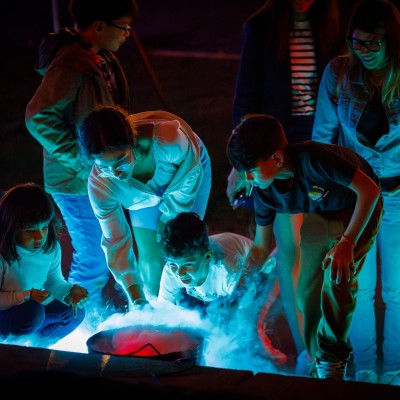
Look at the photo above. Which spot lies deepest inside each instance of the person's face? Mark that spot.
(265, 172)
(33, 237)
(191, 270)
(117, 164)
(301, 7)
(370, 48)
(114, 34)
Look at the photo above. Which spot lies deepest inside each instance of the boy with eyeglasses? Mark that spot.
(79, 71)
(339, 196)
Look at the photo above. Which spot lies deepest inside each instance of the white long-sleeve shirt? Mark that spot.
(225, 268)
(35, 270)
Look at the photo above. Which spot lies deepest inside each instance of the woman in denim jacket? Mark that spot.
(358, 107)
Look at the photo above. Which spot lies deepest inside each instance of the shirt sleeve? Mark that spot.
(264, 215)
(46, 112)
(170, 289)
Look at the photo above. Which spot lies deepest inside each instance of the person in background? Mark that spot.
(35, 299)
(285, 46)
(155, 166)
(79, 71)
(202, 270)
(338, 194)
(358, 107)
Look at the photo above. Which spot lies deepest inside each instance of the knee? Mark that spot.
(29, 319)
(391, 296)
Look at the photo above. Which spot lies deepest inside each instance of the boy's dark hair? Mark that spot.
(255, 138)
(105, 128)
(24, 205)
(85, 12)
(185, 234)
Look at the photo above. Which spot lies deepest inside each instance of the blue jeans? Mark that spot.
(50, 323)
(363, 334)
(88, 268)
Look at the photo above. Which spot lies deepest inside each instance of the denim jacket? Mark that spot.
(339, 108)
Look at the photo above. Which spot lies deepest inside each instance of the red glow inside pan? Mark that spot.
(143, 341)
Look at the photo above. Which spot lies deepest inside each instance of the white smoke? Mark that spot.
(231, 345)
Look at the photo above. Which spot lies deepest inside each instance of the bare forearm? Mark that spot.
(367, 196)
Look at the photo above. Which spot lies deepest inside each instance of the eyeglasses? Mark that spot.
(122, 165)
(125, 28)
(371, 45)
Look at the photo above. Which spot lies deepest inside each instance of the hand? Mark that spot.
(140, 304)
(39, 295)
(236, 182)
(78, 296)
(341, 260)
(160, 230)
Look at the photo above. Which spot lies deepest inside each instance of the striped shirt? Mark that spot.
(303, 69)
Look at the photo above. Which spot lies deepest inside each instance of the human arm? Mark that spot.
(117, 241)
(249, 80)
(341, 257)
(136, 295)
(393, 192)
(55, 284)
(256, 257)
(326, 121)
(10, 299)
(49, 116)
(160, 230)
(236, 182)
(170, 288)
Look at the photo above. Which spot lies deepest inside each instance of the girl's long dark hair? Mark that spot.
(24, 205)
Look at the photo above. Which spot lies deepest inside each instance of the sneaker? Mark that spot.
(391, 378)
(331, 369)
(367, 375)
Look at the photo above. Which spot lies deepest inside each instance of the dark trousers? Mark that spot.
(327, 308)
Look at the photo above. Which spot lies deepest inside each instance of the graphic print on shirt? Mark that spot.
(317, 193)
